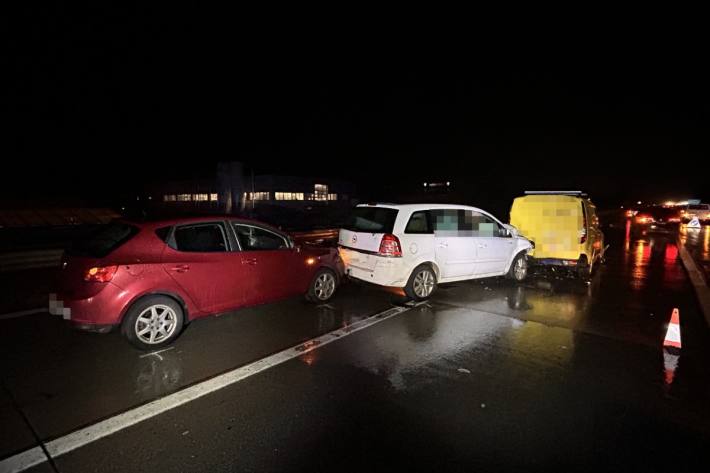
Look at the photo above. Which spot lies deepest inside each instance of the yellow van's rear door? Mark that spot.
(553, 222)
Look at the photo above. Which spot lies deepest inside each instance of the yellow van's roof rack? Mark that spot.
(577, 193)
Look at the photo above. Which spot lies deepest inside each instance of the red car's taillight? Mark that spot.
(389, 246)
(100, 274)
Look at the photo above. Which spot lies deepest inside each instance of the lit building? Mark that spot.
(232, 191)
(296, 192)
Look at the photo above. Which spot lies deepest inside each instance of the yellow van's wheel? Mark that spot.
(519, 268)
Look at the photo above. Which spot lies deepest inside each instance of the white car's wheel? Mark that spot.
(519, 268)
(421, 284)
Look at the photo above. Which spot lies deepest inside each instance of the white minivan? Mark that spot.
(418, 246)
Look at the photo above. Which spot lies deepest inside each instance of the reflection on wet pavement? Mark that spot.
(158, 374)
(431, 342)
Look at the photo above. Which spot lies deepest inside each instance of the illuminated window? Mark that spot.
(258, 195)
(321, 192)
(201, 197)
(288, 195)
(184, 197)
(214, 197)
(332, 196)
(169, 198)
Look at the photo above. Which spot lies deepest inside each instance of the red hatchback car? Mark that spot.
(153, 278)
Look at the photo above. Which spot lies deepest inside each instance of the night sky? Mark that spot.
(104, 101)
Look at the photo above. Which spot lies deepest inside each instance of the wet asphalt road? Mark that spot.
(486, 376)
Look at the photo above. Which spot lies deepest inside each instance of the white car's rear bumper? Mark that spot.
(374, 269)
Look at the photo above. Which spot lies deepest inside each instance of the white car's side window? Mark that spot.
(419, 223)
(465, 223)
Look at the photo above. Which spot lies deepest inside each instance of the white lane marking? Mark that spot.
(22, 313)
(23, 461)
(697, 279)
(156, 353)
(82, 437)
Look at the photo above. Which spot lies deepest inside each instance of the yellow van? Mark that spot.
(563, 226)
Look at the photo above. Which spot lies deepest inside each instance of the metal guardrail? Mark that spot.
(34, 259)
(21, 260)
(316, 236)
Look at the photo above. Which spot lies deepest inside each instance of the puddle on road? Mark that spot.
(159, 375)
(429, 343)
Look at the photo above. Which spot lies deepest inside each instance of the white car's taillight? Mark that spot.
(389, 246)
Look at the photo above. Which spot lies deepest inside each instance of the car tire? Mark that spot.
(323, 286)
(421, 284)
(518, 268)
(153, 322)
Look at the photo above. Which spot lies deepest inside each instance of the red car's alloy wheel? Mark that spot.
(155, 324)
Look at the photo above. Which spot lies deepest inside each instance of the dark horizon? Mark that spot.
(129, 107)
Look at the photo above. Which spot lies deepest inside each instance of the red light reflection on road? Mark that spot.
(627, 236)
(639, 272)
(671, 254)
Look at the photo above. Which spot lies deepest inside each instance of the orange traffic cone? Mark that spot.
(673, 333)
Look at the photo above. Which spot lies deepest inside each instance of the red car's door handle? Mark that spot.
(249, 261)
(180, 268)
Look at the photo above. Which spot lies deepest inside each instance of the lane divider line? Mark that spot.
(22, 313)
(94, 432)
(22, 461)
(697, 279)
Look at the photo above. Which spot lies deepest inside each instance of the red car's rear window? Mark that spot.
(103, 240)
